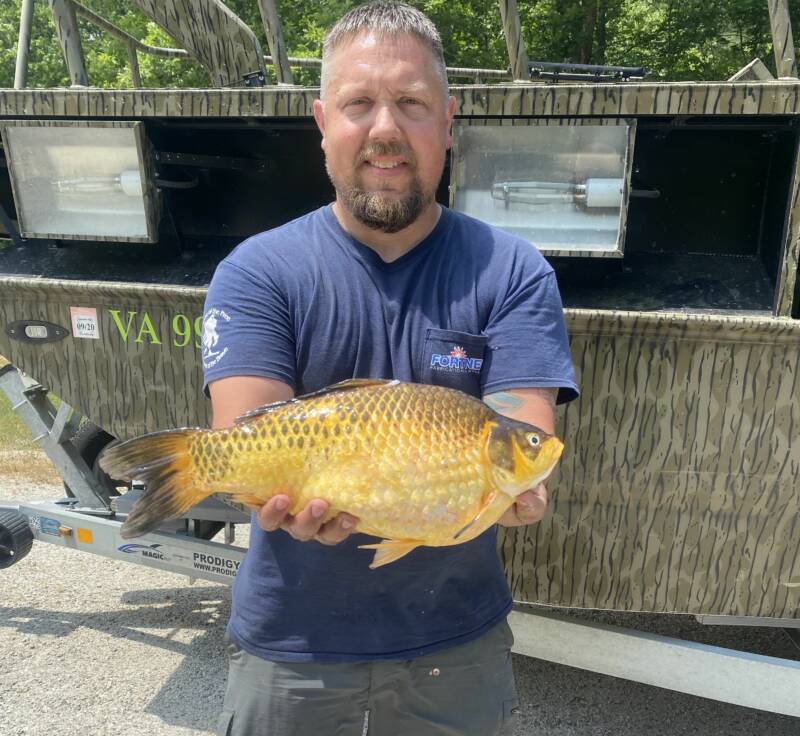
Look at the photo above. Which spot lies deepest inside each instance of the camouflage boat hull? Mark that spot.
(676, 492)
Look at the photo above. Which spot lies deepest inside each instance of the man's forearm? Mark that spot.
(535, 406)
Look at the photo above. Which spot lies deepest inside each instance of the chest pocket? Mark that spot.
(453, 359)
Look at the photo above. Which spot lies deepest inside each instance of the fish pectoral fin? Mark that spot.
(477, 516)
(493, 507)
(390, 550)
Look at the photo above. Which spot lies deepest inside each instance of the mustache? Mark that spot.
(379, 148)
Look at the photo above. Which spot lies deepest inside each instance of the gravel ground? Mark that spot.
(91, 645)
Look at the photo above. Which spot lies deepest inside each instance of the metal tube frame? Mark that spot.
(23, 45)
(53, 430)
(512, 31)
(277, 47)
(782, 43)
(727, 675)
(70, 39)
(780, 26)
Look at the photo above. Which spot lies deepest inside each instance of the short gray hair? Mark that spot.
(385, 18)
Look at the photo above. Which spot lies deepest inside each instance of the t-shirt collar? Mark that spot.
(367, 255)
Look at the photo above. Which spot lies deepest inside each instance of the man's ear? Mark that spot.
(319, 117)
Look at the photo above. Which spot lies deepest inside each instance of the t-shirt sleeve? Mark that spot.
(528, 345)
(247, 327)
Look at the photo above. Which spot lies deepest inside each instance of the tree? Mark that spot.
(674, 39)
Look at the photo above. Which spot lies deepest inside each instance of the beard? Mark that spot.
(387, 212)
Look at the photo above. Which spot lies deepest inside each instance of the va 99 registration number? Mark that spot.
(139, 327)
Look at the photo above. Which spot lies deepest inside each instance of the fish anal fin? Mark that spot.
(348, 385)
(390, 550)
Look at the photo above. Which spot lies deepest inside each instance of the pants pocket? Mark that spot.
(510, 717)
(225, 723)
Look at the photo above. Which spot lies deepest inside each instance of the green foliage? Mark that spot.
(673, 39)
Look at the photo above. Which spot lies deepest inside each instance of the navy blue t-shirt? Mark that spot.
(470, 307)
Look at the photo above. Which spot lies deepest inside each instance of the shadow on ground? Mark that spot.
(155, 618)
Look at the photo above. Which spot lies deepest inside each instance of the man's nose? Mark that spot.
(385, 125)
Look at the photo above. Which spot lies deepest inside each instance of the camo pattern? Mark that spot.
(277, 47)
(509, 15)
(70, 39)
(215, 36)
(790, 262)
(676, 489)
(785, 57)
(521, 100)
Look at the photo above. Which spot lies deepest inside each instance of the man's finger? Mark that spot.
(528, 508)
(531, 505)
(273, 513)
(337, 529)
(307, 523)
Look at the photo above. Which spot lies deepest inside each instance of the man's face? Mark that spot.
(385, 128)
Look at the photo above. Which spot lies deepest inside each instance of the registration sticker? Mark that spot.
(84, 322)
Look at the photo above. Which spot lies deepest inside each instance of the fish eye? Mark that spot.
(533, 439)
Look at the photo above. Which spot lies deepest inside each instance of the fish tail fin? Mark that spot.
(163, 462)
(390, 550)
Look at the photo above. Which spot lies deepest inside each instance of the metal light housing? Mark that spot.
(562, 184)
(82, 180)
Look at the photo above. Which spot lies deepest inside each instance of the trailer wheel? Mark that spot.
(16, 538)
(90, 441)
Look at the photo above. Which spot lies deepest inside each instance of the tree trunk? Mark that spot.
(600, 49)
(587, 36)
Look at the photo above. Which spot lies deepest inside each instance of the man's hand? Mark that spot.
(529, 508)
(535, 406)
(231, 397)
(308, 524)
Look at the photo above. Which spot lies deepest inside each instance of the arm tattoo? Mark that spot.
(503, 401)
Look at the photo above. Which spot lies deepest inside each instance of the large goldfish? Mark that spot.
(417, 464)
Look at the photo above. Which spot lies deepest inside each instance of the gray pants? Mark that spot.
(467, 690)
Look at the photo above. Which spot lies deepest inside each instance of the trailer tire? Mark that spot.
(16, 538)
(90, 440)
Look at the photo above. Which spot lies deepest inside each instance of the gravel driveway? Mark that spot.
(95, 646)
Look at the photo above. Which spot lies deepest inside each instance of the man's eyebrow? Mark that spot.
(358, 89)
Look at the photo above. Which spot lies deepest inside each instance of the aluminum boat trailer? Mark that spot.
(90, 520)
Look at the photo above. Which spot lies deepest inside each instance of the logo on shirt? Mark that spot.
(210, 339)
(458, 361)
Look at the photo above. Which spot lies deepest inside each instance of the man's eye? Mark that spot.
(411, 101)
(357, 101)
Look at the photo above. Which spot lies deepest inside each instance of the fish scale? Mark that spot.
(417, 464)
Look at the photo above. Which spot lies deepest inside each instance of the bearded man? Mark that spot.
(374, 286)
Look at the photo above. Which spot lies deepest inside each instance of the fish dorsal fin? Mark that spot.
(347, 385)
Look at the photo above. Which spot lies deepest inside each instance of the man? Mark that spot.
(379, 285)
